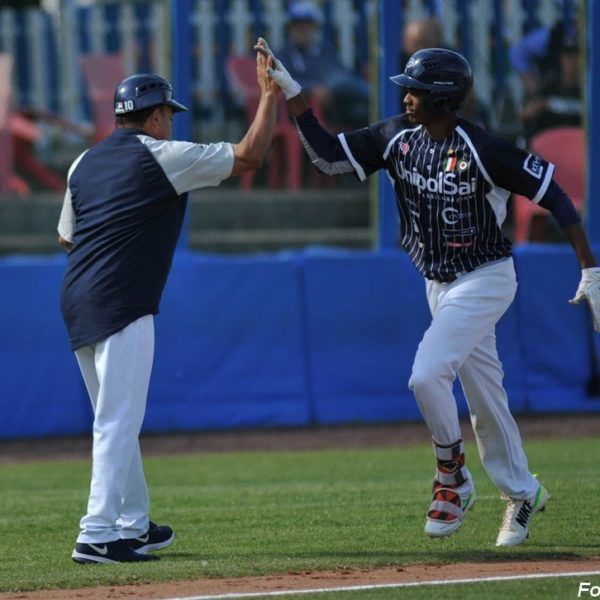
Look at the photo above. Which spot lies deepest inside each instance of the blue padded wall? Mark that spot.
(229, 349)
(292, 339)
(41, 390)
(556, 336)
(365, 317)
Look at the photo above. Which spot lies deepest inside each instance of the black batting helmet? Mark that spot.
(142, 91)
(444, 73)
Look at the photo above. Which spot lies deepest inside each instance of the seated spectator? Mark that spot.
(315, 64)
(558, 101)
(536, 56)
(421, 33)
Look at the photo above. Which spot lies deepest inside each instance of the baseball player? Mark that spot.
(452, 182)
(121, 217)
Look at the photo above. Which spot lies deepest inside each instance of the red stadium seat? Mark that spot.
(564, 147)
(102, 73)
(10, 182)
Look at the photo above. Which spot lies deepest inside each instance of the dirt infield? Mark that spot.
(300, 439)
(563, 426)
(312, 580)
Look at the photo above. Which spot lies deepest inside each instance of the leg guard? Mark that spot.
(453, 491)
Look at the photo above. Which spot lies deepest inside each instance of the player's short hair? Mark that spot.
(136, 119)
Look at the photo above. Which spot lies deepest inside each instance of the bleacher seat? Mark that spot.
(564, 147)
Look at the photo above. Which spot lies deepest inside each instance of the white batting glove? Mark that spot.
(589, 290)
(279, 74)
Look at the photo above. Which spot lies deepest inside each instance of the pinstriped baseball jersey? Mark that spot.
(451, 194)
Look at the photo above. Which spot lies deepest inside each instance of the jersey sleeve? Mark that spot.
(190, 166)
(66, 222)
(366, 148)
(517, 170)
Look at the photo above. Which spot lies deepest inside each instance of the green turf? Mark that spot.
(260, 513)
(548, 589)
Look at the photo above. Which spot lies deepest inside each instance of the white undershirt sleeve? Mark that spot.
(190, 166)
(66, 222)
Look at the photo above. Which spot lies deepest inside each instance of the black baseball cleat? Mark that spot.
(107, 553)
(156, 538)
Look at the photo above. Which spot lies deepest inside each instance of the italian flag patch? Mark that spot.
(450, 163)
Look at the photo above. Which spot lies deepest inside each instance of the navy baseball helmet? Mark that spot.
(444, 73)
(144, 90)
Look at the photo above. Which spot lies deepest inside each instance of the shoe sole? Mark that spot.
(541, 507)
(454, 528)
(86, 559)
(152, 547)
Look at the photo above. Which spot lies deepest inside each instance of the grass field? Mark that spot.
(510, 590)
(263, 513)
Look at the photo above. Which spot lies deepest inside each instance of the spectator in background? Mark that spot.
(342, 95)
(427, 32)
(557, 101)
(421, 33)
(536, 56)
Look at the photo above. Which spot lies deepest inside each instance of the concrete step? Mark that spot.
(225, 242)
(29, 243)
(276, 210)
(220, 220)
(32, 215)
(266, 240)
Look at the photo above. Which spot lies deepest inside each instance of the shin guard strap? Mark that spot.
(450, 463)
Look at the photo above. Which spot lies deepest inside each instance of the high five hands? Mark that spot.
(277, 71)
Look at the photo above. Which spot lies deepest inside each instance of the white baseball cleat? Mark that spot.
(448, 508)
(518, 516)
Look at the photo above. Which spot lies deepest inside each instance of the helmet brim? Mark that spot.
(409, 82)
(176, 106)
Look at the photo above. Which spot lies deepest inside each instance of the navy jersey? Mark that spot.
(451, 194)
(123, 212)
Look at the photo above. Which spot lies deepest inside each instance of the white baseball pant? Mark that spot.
(116, 373)
(461, 340)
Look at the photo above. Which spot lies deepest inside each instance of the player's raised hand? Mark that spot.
(277, 71)
(263, 62)
(589, 290)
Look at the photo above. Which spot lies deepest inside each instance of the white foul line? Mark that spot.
(381, 586)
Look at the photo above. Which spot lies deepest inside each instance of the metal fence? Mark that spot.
(47, 44)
